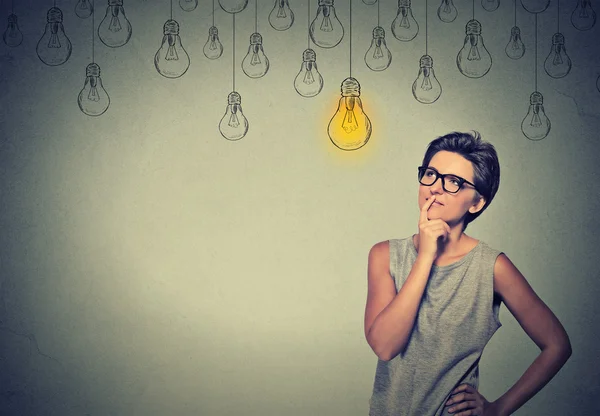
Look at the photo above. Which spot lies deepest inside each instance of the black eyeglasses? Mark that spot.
(451, 183)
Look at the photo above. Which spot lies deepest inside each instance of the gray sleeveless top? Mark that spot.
(457, 316)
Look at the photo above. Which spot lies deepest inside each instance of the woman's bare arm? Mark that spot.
(390, 317)
(542, 326)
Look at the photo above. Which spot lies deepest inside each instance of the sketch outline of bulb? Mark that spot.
(188, 5)
(213, 48)
(12, 35)
(326, 30)
(234, 124)
(54, 48)
(282, 16)
(473, 60)
(84, 9)
(350, 127)
(115, 29)
(171, 59)
(536, 125)
(557, 63)
(369, 2)
(378, 57)
(515, 48)
(233, 6)
(583, 17)
(598, 83)
(404, 27)
(490, 5)
(426, 89)
(309, 82)
(535, 6)
(447, 11)
(255, 64)
(93, 99)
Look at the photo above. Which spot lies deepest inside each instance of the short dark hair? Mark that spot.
(481, 154)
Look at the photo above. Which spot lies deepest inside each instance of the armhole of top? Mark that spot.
(393, 247)
(496, 300)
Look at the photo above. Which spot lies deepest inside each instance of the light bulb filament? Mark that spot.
(115, 22)
(474, 50)
(378, 53)
(446, 8)
(171, 51)
(308, 77)
(405, 23)
(350, 123)
(557, 58)
(326, 25)
(255, 58)
(233, 120)
(281, 12)
(213, 45)
(426, 84)
(54, 42)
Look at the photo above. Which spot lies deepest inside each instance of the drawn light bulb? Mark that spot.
(12, 35)
(309, 81)
(473, 60)
(326, 30)
(447, 11)
(115, 29)
(490, 5)
(281, 17)
(583, 17)
(535, 6)
(54, 48)
(369, 2)
(255, 63)
(557, 63)
(84, 9)
(171, 60)
(426, 89)
(93, 99)
(188, 5)
(404, 26)
(378, 56)
(535, 125)
(515, 48)
(213, 48)
(234, 124)
(350, 128)
(233, 6)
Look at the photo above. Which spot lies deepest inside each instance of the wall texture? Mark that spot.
(148, 266)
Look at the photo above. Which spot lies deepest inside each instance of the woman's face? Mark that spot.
(451, 207)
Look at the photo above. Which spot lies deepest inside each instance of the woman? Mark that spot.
(434, 298)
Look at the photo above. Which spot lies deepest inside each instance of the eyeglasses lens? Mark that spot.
(428, 176)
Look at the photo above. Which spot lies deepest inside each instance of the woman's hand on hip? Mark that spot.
(467, 401)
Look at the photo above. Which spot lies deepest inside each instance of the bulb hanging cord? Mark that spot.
(351, 38)
(426, 28)
(558, 16)
(536, 29)
(93, 35)
(308, 31)
(233, 54)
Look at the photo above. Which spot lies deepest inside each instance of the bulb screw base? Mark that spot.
(350, 88)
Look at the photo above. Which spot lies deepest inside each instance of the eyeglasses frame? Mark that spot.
(438, 175)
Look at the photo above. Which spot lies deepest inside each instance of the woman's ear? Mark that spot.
(478, 204)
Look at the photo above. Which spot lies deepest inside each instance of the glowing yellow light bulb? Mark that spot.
(350, 128)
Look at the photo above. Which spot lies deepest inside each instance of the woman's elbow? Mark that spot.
(384, 354)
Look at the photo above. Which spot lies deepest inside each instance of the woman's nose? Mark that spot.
(437, 187)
